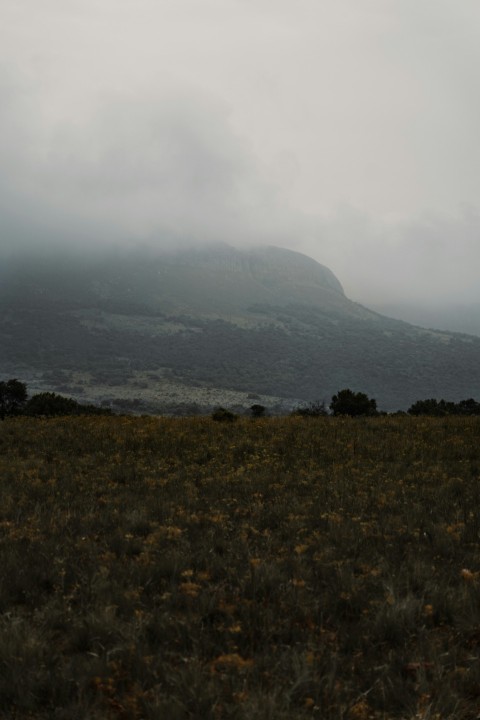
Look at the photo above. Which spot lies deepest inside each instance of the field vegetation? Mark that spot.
(266, 569)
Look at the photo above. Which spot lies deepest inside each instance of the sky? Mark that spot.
(344, 129)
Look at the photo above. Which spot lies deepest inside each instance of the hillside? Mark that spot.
(159, 330)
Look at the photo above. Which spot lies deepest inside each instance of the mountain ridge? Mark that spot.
(268, 321)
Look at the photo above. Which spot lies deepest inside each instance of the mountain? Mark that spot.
(155, 331)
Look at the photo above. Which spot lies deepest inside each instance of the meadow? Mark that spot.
(266, 569)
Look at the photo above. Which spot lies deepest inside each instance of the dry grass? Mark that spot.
(275, 568)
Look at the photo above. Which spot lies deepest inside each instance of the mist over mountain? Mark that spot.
(161, 329)
(455, 317)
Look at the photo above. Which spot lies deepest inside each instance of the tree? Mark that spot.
(13, 395)
(347, 402)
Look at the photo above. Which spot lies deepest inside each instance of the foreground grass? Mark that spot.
(268, 569)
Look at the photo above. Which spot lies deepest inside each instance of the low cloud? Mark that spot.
(427, 259)
(161, 170)
(171, 171)
(347, 131)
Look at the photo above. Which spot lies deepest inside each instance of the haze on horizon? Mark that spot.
(342, 129)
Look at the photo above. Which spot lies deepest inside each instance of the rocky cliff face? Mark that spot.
(222, 280)
(268, 265)
(290, 267)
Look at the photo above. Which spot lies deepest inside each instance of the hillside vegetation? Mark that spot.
(166, 330)
(285, 568)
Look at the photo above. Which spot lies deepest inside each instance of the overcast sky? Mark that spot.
(345, 129)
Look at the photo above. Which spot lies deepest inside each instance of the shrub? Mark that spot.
(258, 410)
(223, 415)
(52, 405)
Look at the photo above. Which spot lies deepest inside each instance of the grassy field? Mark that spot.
(265, 569)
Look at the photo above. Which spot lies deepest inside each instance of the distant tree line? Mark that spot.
(14, 400)
(440, 408)
(358, 404)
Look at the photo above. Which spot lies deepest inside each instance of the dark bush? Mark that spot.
(347, 402)
(258, 410)
(51, 405)
(223, 415)
(13, 395)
